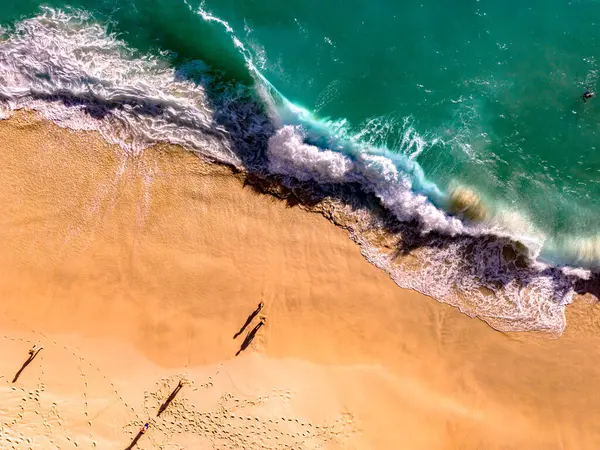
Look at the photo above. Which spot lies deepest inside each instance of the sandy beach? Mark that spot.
(134, 273)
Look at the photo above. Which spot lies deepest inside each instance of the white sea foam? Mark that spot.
(76, 74)
(290, 155)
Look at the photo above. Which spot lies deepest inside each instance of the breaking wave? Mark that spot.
(449, 246)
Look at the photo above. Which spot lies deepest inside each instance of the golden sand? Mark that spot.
(135, 272)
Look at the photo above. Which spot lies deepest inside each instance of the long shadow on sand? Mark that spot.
(135, 440)
(31, 357)
(249, 319)
(250, 336)
(171, 397)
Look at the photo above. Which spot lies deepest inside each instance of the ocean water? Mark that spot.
(464, 121)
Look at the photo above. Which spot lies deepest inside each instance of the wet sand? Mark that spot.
(135, 272)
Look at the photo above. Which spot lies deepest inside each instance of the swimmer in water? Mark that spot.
(587, 95)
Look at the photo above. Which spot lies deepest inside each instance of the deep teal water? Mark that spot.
(483, 94)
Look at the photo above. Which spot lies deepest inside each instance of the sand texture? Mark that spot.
(134, 273)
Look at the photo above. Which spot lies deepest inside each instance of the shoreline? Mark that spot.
(135, 272)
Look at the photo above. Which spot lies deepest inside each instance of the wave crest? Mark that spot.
(467, 203)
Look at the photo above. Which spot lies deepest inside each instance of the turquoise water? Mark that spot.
(414, 101)
(498, 83)
(489, 92)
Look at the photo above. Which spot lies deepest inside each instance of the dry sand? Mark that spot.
(135, 272)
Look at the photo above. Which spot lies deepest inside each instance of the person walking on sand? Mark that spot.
(33, 351)
(250, 319)
(138, 436)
